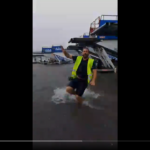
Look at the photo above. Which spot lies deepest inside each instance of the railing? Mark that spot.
(113, 17)
(95, 24)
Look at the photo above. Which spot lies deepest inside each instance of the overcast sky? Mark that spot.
(56, 21)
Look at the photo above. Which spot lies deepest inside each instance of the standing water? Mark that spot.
(60, 96)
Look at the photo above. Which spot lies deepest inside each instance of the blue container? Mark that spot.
(56, 49)
(46, 50)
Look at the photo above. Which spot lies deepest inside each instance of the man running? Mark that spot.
(84, 72)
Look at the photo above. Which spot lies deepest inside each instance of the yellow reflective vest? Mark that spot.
(89, 68)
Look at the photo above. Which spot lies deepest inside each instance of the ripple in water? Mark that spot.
(60, 96)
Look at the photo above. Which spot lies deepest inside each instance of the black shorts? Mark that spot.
(79, 85)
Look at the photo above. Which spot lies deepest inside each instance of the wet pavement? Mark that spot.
(56, 121)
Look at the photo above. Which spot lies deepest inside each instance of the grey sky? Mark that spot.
(56, 21)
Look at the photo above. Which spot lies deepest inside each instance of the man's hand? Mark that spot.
(62, 49)
(92, 83)
(65, 53)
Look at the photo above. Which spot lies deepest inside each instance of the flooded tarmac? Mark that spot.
(53, 117)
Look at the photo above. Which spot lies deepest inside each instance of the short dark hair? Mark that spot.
(86, 48)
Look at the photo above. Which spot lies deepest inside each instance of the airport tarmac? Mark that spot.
(56, 121)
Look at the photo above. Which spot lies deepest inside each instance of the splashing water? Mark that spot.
(60, 96)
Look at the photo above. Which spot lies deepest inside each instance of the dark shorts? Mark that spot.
(78, 85)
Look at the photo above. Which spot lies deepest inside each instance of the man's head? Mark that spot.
(85, 53)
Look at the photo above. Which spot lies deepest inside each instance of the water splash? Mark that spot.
(60, 96)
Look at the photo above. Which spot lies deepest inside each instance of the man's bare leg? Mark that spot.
(70, 90)
(79, 100)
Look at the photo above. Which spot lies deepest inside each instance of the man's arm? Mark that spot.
(66, 54)
(94, 70)
(94, 75)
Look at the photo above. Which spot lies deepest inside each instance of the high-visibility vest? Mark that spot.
(89, 68)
